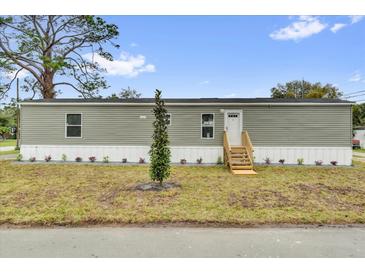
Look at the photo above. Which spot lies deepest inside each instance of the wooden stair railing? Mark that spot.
(239, 159)
(246, 141)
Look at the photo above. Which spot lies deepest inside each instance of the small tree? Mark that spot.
(303, 89)
(160, 152)
(3, 132)
(126, 93)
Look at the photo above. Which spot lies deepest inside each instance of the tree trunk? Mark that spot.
(47, 75)
(48, 91)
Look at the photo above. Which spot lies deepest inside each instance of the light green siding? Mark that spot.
(298, 125)
(115, 125)
(122, 125)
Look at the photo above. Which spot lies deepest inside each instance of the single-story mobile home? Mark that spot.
(289, 129)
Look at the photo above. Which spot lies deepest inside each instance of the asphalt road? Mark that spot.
(183, 242)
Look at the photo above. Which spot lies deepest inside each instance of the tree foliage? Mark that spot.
(303, 89)
(7, 119)
(126, 93)
(358, 115)
(160, 152)
(51, 50)
(8, 115)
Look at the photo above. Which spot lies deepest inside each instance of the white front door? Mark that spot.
(233, 126)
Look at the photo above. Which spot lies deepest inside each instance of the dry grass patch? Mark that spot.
(86, 194)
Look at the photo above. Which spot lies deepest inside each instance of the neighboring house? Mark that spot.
(312, 129)
(359, 134)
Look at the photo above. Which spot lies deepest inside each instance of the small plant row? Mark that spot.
(92, 159)
(199, 161)
(300, 161)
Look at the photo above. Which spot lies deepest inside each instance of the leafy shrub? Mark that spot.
(124, 160)
(267, 161)
(141, 160)
(334, 163)
(64, 157)
(17, 148)
(281, 161)
(106, 159)
(78, 159)
(219, 160)
(92, 159)
(318, 162)
(19, 157)
(47, 158)
(300, 161)
(199, 160)
(183, 161)
(32, 159)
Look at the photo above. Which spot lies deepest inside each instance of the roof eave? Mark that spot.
(191, 104)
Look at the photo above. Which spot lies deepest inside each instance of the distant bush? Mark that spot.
(281, 161)
(318, 162)
(219, 160)
(64, 157)
(183, 161)
(300, 161)
(19, 157)
(78, 159)
(124, 160)
(141, 160)
(334, 163)
(47, 158)
(106, 159)
(32, 159)
(199, 160)
(92, 159)
(267, 161)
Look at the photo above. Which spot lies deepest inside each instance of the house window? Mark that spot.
(168, 119)
(207, 126)
(73, 125)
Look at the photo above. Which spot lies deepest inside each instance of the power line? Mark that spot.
(354, 96)
(351, 93)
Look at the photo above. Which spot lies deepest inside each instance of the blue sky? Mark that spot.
(235, 56)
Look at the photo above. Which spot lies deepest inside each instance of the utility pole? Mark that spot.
(17, 114)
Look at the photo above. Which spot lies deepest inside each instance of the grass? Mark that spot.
(359, 150)
(64, 194)
(8, 143)
(9, 152)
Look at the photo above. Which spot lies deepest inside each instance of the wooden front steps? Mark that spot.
(243, 172)
(239, 158)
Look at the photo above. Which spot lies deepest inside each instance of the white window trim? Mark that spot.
(73, 137)
(201, 126)
(170, 118)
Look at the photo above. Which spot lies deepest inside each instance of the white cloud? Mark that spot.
(336, 27)
(206, 82)
(355, 77)
(127, 65)
(133, 45)
(231, 95)
(356, 18)
(22, 74)
(304, 27)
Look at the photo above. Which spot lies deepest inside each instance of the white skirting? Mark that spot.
(117, 153)
(343, 155)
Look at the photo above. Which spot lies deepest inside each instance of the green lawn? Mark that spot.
(359, 150)
(6, 143)
(9, 152)
(95, 194)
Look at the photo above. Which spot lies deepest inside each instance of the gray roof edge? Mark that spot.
(192, 100)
